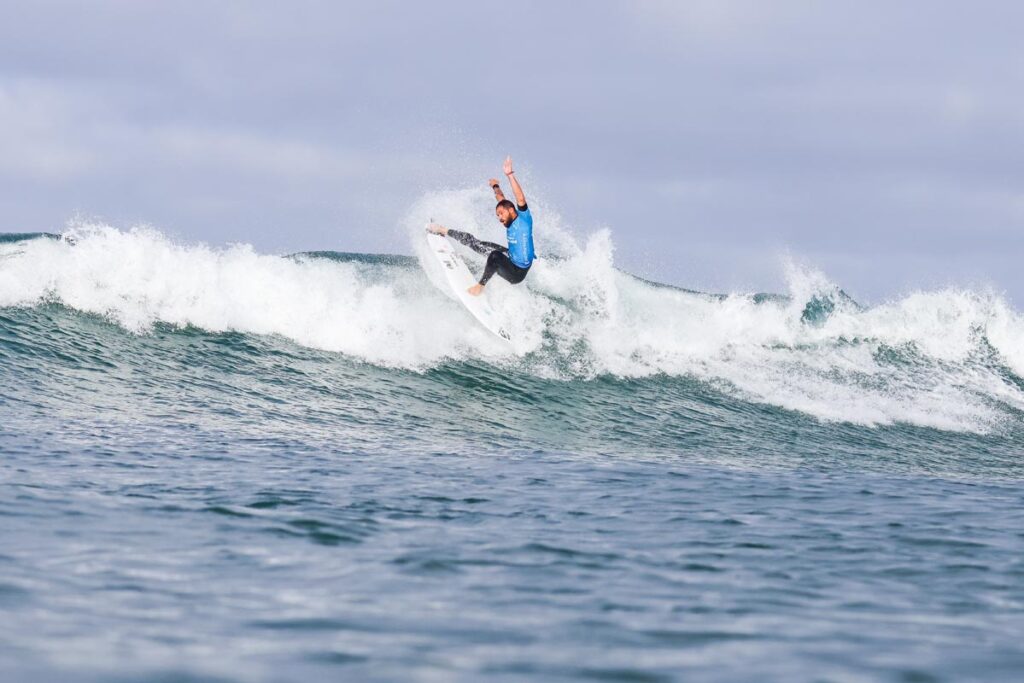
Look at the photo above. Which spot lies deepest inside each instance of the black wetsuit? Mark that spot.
(497, 258)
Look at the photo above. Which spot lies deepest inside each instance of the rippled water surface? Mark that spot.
(247, 505)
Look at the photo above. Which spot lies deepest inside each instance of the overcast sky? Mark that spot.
(882, 142)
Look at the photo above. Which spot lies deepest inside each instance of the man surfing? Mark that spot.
(512, 263)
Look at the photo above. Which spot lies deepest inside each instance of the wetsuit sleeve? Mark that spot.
(524, 212)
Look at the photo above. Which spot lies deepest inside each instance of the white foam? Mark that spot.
(920, 359)
(913, 360)
(140, 277)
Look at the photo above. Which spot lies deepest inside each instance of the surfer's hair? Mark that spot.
(506, 204)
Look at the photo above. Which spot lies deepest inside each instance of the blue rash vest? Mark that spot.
(520, 238)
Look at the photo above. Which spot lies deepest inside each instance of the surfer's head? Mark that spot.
(506, 211)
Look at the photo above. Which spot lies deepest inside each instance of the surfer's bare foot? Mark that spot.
(437, 229)
(476, 290)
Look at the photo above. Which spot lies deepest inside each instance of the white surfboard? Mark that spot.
(460, 279)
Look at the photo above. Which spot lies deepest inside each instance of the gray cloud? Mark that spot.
(881, 142)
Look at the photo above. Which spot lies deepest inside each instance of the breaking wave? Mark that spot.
(951, 359)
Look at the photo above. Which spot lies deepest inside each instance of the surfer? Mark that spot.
(513, 262)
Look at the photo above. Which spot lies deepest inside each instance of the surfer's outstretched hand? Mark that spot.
(437, 229)
(508, 165)
(476, 290)
(498, 194)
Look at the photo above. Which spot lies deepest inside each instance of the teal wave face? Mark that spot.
(184, 382)
(367, 259)
(12, 237)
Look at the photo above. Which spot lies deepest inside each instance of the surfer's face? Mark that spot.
(506, 216)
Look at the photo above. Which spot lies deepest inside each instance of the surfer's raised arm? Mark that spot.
(498, 194)
(517, 189)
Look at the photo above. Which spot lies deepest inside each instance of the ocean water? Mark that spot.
(221, 465)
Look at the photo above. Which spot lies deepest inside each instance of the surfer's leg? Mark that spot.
(491, 267)
(473, 243)
(499, 262)
(513, 274)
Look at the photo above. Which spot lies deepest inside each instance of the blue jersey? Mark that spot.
(520, 239)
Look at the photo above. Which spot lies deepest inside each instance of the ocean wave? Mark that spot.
(950, 359)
